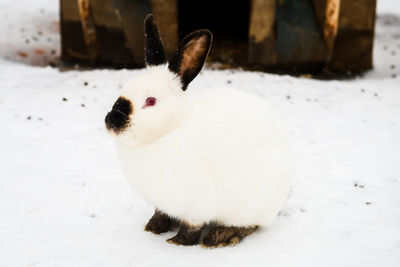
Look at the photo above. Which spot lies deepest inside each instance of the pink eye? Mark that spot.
(150, 101)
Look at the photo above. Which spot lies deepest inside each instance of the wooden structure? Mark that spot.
(302, 35)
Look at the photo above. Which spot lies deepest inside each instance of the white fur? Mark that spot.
(209, 155)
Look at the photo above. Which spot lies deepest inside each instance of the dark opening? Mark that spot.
(227, 20)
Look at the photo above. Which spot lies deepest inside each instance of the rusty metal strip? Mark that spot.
(88, 29)
(331, 24)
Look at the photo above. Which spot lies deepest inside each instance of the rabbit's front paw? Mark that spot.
(222, 236)
(160, 223)
(187, 235)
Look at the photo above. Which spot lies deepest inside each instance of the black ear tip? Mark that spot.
(154, 48)
(148, 19)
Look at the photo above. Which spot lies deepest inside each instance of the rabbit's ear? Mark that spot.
(154, 48)
(190, 56)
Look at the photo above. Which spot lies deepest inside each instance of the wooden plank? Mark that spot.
(166, 16)
(354, 42)
(115, 48)
(261, 48)
(285, 32)
(88, 29)
(328, 16)
(130, 15)
(73, 46)
(320, 10)
(357, 15)
(299, 39)
(69, 10)
(331, 22)
(282, 33)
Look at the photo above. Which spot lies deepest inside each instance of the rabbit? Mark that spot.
(214, 162)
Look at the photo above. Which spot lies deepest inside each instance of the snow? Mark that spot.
(388, 6)
(65, 202)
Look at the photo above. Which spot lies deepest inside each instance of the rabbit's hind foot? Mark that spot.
(160, 223)
(188, 235)
(223, 236)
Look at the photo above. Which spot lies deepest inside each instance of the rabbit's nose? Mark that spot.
(118, 118)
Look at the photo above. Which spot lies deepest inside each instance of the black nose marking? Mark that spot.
(118, 118)
(123, 105)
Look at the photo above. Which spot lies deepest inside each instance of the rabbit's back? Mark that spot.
(228, 161)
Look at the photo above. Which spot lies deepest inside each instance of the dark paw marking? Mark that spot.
(223, 236)
(187, 236)
(160, 223)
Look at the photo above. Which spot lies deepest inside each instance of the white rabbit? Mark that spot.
(214, 159)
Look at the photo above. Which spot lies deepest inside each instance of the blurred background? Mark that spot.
(297, 35)
(326, 38)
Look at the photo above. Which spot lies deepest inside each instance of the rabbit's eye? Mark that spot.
(150, 101)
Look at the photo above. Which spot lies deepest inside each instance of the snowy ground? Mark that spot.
(65, 202)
